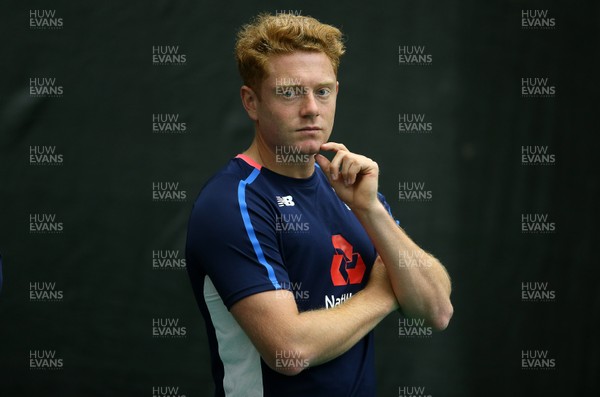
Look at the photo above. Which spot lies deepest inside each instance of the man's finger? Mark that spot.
(323, 163)
(354, 169)
(333, 146)
(336, 164)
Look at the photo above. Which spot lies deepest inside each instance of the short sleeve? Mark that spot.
(232, 239)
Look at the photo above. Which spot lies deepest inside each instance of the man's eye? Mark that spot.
(289, 93)
(324, 92)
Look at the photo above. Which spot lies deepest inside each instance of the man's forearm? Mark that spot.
(317, 336)
(328, 333)
(420, 282)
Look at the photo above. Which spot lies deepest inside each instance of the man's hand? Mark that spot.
(352, 176)
(422, 291)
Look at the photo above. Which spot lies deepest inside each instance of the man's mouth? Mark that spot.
(309, 128)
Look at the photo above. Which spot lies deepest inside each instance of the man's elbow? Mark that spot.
(288, 371)
(441, 319)
(288, 362)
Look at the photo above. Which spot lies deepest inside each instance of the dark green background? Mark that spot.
(471, 162)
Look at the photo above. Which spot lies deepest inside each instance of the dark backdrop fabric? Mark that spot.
(90, 295)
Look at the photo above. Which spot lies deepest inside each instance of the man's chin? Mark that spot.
(311, 148)
(310, 151)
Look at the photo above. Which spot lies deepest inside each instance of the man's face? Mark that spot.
(297, 102)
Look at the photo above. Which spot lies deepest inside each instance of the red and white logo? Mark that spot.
(347, 266)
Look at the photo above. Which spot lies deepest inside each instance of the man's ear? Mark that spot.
(337, 87)
(249, 101)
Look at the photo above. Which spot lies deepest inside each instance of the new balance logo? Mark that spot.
(287, 201)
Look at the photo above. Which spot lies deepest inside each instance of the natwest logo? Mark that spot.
(347, 267)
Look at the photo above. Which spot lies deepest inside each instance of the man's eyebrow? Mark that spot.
(299, 81)
(292, 84)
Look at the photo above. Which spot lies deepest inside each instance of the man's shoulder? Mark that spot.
(224, 186)
(227, 178)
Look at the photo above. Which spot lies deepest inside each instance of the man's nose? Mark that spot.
(310, 107)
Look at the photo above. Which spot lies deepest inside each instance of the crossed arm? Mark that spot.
(276, 328)
(420, 288)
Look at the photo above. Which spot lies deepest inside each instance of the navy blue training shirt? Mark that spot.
(252, 230)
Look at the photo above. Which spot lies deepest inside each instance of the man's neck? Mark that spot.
(281, 165)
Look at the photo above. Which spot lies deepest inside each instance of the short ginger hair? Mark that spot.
(269, 35)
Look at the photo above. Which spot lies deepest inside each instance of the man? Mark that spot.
(293, 263)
